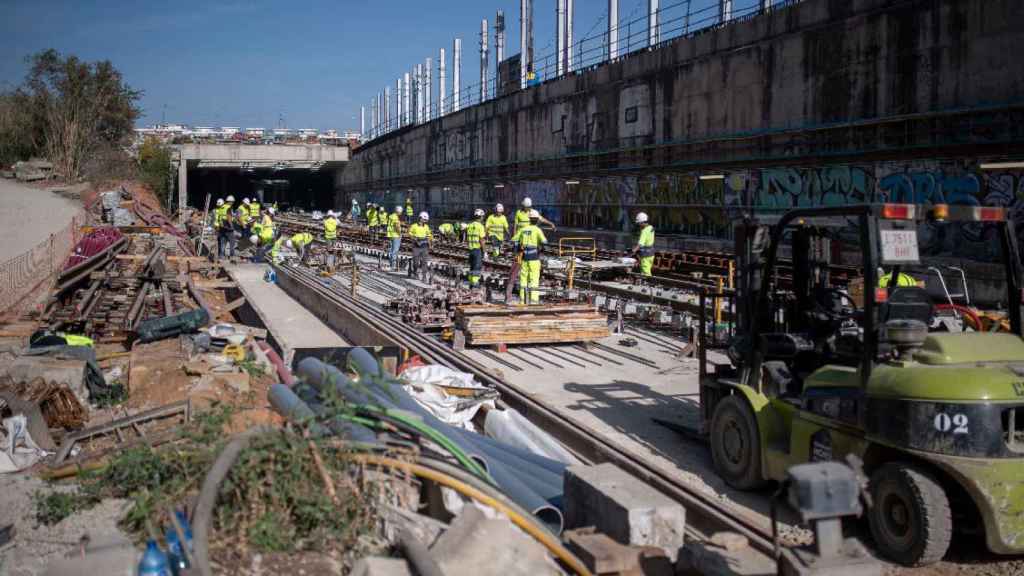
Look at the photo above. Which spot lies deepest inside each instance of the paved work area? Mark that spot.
(292, 326)
(29, 215)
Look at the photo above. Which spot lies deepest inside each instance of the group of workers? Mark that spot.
(231, 222)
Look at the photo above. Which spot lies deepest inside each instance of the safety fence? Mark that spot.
(28, 272)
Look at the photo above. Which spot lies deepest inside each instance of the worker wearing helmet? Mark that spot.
(475, 239)
(421, 237)
(394, 235)
(300, 243)
(222, 226)
(644, 248)
(408, 209)
(522, 216)
(330, 227)
(497, 229)
(275, 250)
(527, 241)
(354, 212)
(254, 208)
(371, 217)
(242, 216)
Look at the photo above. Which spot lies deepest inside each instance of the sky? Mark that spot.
(256, 63)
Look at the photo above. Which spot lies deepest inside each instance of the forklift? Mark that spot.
(805, 370)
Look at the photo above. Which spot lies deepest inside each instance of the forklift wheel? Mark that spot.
(736, 444)
(910, 520)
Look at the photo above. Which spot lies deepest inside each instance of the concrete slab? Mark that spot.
(291, 325)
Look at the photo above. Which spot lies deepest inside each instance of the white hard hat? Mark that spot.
(527, 202)
(354, 201)
(499, 208)
(245, 200)
(462, 225)
(641, 217)
(271, 210)
(254, 239)
(398, 209)
(220, 202)
(534, 214)
(424, 216)
(330, 212)
(231, 198)
(479, 212)
(289, 243)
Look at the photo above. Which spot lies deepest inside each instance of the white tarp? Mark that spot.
(424, 385)
(19, 450)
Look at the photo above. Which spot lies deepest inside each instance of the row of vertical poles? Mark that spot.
(414, 91)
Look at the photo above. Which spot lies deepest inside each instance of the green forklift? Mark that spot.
(803, 363)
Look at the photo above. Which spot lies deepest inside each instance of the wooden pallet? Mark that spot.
(486, 325)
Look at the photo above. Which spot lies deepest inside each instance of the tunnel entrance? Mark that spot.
(306, 189)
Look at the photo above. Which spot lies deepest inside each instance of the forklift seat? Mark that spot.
(906, 303)
(784, 346)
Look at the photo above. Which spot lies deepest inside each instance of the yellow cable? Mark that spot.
(461, 487)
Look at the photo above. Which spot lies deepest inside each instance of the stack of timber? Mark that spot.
(499, 324)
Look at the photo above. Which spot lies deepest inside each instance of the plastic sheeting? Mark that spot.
(19, 450)
(424, 385)
(509, 427)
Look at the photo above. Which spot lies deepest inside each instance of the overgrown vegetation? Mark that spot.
(155, 169)
(275, 498)
(67, 110)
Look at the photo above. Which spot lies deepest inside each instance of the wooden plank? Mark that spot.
(236, 303)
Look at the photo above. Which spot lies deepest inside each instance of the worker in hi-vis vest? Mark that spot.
(394, 234)
(497, 229)
(644, 249)
(421, 237)
(475, 234)
(528, 240)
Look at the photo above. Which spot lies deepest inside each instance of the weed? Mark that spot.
(52, 507)
(254, 369)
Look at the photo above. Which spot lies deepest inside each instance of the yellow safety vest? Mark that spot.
(220, 216)
(902, 280)
(76, 340)
(394, 226)
(243, 216)
(420, 232)
(330, 229)
(497, 226)
(646, 241)
(408, 209)
(474, 234)
(522, 218)
(371, 217)
(529, 238)
(276, 248)
(254, 209)
(302, 239)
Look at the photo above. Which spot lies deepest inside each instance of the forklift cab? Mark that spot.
(825, 362)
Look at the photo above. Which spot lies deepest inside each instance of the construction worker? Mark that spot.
(254, 208)
(475, 235)
(300, 243)
(447, 229)
(221, 226)
(497, 229)
(527, 242)
(421, 238)
(903, 280)
(522, 217)
(275, 251)
(394, 235)
(408, 209)
(353, 212)
(330, 227)
(232, 225)
(371, 217)
(242, 217)
(644, 248)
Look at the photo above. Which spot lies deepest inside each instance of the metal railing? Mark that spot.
(675, 20)
(27, 272)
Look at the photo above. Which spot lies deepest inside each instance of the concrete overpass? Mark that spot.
(816, 102)
(311, 157)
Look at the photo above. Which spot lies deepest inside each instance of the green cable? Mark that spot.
(434, 435)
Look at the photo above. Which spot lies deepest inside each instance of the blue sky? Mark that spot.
(249, 63)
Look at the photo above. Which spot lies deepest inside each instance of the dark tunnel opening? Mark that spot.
(306, 189)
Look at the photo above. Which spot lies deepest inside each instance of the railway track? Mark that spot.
(705, 517)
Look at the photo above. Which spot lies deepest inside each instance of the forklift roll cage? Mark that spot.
(868, 218)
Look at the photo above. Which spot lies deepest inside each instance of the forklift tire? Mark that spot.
(910, 520)
(736, 444)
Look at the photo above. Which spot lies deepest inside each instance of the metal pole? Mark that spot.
(398, 103)
(560, 36)
(407, 99)
(724, 10)
(442, 89)
(418, 82)
(456, 73)
(387, 109)
(523, 5)
(653, 27)
(613, 29)
(499, 40)
(427, 88)
(568, 35)
(362, 122)
(380, 113)
(373, 114)
(483, 59)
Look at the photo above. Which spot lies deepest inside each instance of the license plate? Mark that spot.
(899, 246)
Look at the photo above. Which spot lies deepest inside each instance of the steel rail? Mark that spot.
(704, 516)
